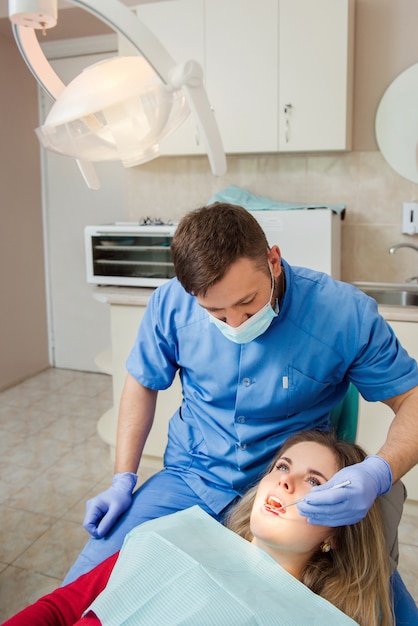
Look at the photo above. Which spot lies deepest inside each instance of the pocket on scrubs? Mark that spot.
(303, 391)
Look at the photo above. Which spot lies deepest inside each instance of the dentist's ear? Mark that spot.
(274, 257)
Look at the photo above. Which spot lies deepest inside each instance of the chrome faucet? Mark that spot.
(393, 249)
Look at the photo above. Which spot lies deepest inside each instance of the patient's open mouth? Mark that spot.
(274, 505)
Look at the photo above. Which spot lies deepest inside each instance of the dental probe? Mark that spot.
(275, 508)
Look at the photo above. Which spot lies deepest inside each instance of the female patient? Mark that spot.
(275, 568)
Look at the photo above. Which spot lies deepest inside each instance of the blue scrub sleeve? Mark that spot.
(382, 368)
(152, 360)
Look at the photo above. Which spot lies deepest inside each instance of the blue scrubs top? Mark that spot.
(241, 401)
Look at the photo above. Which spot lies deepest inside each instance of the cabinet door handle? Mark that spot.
(287, 111)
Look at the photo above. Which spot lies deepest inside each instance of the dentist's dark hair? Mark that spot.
(209, 240)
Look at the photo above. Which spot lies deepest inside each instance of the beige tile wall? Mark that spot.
(372, 192)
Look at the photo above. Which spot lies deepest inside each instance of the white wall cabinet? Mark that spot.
(241, 72)
(315, 68)
(375, 417)
(278, 72)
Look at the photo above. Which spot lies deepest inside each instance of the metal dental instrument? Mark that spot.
(285, 506)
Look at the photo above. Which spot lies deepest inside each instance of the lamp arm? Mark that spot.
(35, 59)
(189, 76)
(198, 102)
(115, 15)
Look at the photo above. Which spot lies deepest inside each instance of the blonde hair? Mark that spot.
(354, 575)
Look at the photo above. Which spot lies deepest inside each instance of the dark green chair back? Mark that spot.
(344, 417)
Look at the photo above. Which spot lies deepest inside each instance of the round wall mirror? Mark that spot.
(397, 124)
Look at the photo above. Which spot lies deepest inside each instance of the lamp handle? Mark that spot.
(198, 102)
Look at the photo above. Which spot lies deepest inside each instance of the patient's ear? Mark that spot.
(328, 544)
(325, 546)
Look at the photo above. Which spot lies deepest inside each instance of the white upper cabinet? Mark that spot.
(315, 68)
(241, 72)
(278, 72)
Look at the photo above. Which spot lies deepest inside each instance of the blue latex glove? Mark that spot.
(103, 510)
(348, 505)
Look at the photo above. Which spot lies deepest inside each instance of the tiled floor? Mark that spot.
(51, 461)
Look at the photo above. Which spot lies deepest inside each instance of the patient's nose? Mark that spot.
(287, 484)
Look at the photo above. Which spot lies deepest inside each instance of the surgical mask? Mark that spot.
(253, 327)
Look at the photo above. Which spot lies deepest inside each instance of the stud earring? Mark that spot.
(325, 546)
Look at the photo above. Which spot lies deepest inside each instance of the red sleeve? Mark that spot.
(65, 605)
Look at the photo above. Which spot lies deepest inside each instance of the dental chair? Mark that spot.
(344, 417)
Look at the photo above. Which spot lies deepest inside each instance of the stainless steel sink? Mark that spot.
(391, 294)
(396, 298)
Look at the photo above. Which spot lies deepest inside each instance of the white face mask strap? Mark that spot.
(273, 286)
(272, 280)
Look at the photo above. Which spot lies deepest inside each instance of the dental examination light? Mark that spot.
(119, 108)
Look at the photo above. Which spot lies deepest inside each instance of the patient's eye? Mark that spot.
(283, 467)
(313, 481)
